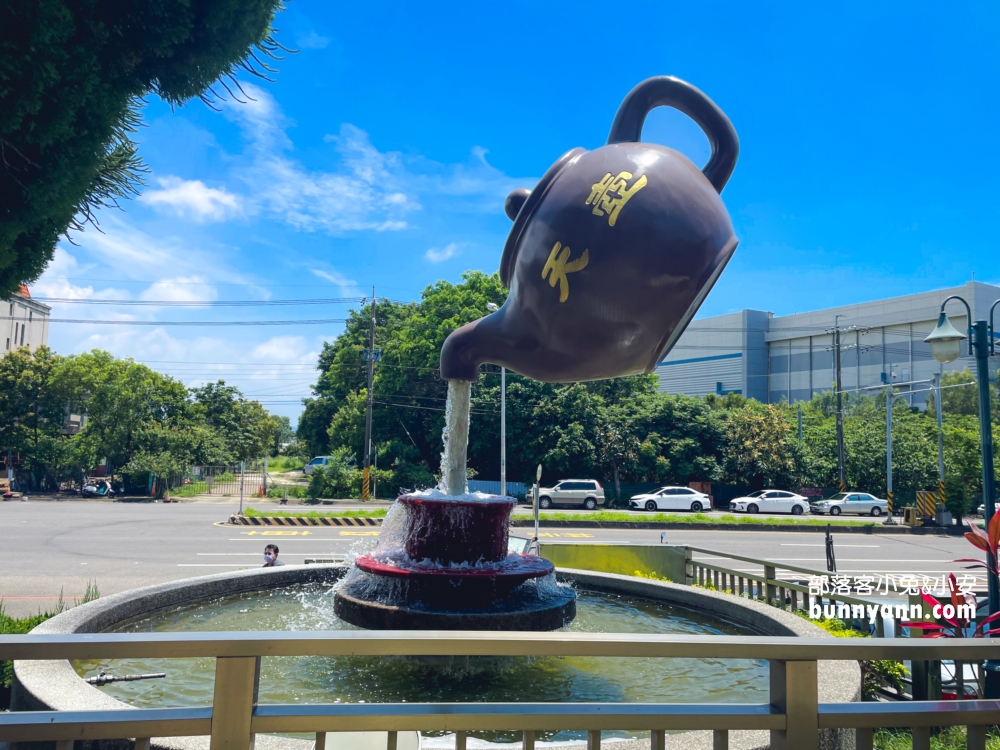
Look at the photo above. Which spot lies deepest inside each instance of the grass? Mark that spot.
(600, 516)
(950, 738)
(189, 490)
(19, 626)
(292, 490)
(373, 513)
(285, 463)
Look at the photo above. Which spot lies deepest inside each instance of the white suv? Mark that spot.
(586, 492)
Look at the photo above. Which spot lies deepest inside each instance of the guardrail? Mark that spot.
(770, 588)
(794, 716)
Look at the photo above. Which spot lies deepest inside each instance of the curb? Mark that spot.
(293, 521)
(528, 522)
(858, 529)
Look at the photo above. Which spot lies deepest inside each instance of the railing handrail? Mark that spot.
(771, 563)
(479, 643)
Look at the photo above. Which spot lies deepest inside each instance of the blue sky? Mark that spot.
(382, 153)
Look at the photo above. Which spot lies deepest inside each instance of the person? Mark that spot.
(271, 557)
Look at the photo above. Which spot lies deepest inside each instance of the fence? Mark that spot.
(220, 481)
(793, 715)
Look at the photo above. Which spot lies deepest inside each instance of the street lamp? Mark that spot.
(492, 307)
(946, 346)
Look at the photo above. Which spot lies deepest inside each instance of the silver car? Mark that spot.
(586, 492)
(859, 503)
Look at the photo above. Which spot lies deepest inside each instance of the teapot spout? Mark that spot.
(467, 348)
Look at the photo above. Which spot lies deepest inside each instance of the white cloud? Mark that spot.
(348, 287)
(312, 40)
(181, 289)
(193, 199)
(439, 255)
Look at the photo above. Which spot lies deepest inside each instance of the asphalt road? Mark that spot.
(50, 547)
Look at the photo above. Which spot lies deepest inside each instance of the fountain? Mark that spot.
(443, 559)
(651, 235)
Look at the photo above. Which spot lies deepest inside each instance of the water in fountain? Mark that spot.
(454, 481)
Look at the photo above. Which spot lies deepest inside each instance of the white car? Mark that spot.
(671, 498)
(771, 501)
(851, 502)
(318, 461)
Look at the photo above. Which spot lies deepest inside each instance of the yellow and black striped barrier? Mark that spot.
(300, 521)
(926, 504)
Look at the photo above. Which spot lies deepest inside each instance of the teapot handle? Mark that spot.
(673, 92)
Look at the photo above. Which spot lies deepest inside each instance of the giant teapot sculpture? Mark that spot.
(611, 254)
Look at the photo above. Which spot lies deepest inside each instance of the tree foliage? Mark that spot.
(73, 76)
(135, 418)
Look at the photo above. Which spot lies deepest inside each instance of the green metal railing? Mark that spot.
(793, 716)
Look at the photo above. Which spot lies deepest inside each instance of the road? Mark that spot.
(50, 547)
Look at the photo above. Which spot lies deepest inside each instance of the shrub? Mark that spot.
(289, 490)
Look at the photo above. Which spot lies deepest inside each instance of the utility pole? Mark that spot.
(368, 411)
(888, 452)
(841, 477)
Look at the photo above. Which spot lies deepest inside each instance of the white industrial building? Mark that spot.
(26, 321)
(773, 357)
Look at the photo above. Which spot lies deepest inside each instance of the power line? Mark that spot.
(203, 303)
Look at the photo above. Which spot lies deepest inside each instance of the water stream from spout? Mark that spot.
(456, 437)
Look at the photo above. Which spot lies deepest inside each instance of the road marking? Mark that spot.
(845, 559)
(277, 533)
(289, 541)
(248, 554)
(549, 535)
(211, 565)
(360, 533)
(839, 545)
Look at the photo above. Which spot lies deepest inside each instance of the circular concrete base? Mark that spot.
(526, 612)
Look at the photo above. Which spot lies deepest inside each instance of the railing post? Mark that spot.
(141, 743)
(976, 738)
(529, 740)
(864, 739)
(320, 741)
(593, 739)
(689, 575)
(461, 740)
(64, 744)
(795, 693)
(720, 739)
(237, 679)
(657, 739)
(921, 738)
(392, 739)
(769, 574)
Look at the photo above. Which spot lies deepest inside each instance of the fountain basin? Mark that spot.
(55, 685)
(458, 585)
(455, 531)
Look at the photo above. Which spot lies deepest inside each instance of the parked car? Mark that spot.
(586, 492)
(851, 502)
(771, 501)
(318, 461)
(671, 498)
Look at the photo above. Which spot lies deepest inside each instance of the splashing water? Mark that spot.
(456, 438)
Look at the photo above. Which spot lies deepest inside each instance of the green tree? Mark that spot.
(121, 399)
(32, 415)
(758, 448)
(245, 426)
(73, 76)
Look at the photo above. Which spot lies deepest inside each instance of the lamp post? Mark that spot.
(492, 307)
(946, 346)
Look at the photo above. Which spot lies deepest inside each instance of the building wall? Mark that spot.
(791, 357)
(23, 322)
